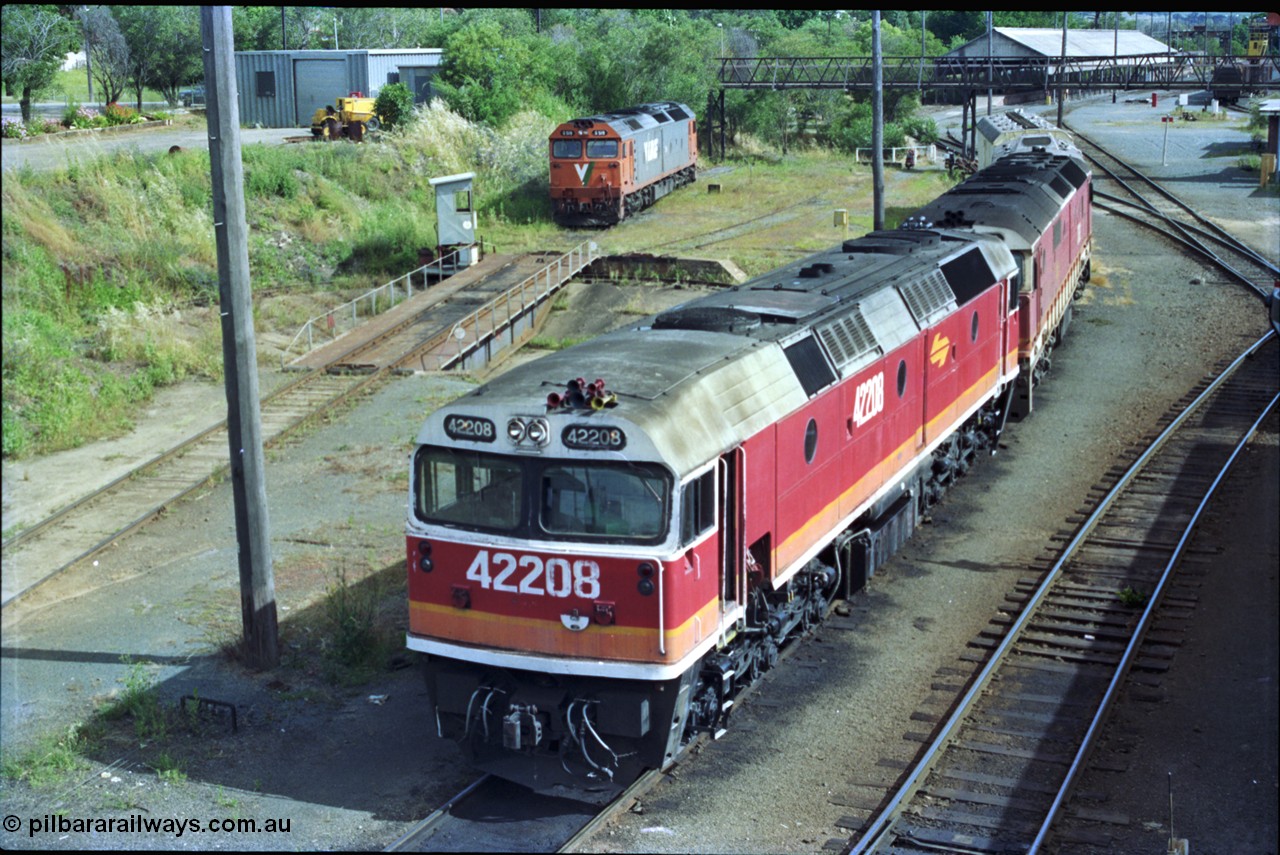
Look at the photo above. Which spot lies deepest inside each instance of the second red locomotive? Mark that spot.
(605, 168)
(598, 567)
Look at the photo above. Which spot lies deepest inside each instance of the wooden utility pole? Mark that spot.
(239, 351)
(877, 125)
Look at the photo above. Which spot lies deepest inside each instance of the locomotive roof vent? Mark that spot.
(891, 243)
(707, 319)
(813, 271)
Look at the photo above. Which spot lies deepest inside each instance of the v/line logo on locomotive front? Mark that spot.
(605, 168)
(597, 569)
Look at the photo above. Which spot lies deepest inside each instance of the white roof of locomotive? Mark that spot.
(743, 386)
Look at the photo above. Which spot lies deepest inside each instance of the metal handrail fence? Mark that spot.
(338, 321)
(923, 152)
(517, 300)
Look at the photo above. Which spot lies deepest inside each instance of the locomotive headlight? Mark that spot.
(538, 432)
(516, 430)
(645, 587)
(425, 564)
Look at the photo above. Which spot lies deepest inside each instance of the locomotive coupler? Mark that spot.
(521, 727)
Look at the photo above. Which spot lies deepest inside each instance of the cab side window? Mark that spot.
(698, 507)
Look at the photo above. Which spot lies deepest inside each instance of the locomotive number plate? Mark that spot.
(530, 574)
(592, 438)
(470, 427)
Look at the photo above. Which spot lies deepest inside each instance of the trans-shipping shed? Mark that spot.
(283, 88)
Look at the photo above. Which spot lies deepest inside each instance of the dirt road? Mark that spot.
(54, 150)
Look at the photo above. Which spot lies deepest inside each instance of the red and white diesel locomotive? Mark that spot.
(607, 167)
(597, 567)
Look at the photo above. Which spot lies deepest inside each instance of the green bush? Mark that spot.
(394, 106)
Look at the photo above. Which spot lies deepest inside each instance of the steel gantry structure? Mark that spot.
(968, 75)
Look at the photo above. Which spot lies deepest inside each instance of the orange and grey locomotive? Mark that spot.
(607, 544)
(605, 168)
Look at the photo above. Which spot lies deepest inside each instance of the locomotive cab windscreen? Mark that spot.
(555, 499)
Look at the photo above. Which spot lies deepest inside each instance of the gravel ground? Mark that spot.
(351, 767)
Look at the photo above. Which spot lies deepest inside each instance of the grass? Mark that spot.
(544, 343)
(1133, 597)
(72, 87)
(140, 703)
(50, 761)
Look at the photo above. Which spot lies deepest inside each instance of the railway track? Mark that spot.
(498, 816)
(998, 769)
(1144, 201)
(85, 527)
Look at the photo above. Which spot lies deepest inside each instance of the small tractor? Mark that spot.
(352, 118)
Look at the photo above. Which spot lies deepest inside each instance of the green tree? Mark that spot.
(489, 76)
(164, 47)
(33, 43)
(108, 51)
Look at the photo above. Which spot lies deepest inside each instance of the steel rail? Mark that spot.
(156, 509)
(624, 801)
(1192, 245)
(176, 450)
(1170, 197)
(884, 822)
(1225, 240)
(1139, 636)
(434, 818)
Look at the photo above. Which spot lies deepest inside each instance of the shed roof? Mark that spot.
(1047, 41)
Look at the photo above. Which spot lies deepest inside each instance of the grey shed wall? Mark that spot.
(281, 89)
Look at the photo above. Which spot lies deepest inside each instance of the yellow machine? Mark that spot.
(350, 119)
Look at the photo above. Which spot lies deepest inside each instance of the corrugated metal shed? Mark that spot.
(282, 88)
(1041, 42)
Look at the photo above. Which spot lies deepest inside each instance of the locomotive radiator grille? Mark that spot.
(849, 338)
(927, 296)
